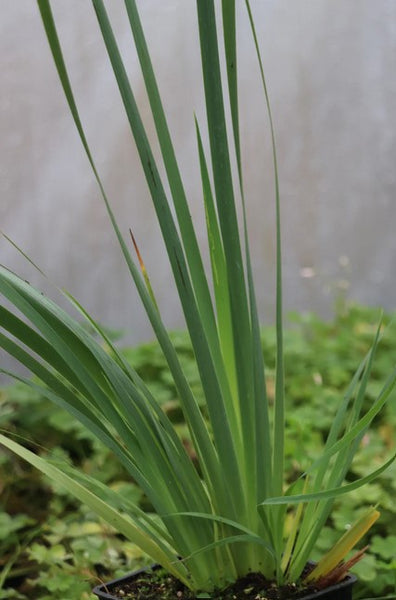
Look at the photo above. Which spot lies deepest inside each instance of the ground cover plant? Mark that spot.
(220, 506)
(49, 542)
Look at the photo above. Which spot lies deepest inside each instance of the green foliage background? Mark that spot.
(50, 547)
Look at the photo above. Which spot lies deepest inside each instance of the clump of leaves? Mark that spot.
(223, 514)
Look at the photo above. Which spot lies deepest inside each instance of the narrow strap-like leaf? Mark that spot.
(261, 459)
(227, 215)
(279, 419)
(153, 547)
(221, 292)
(330, 493)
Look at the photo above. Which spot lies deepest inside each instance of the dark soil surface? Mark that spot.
(161, 586)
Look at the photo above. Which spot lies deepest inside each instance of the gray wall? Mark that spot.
(330, 67)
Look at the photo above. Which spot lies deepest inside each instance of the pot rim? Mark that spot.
(350, 579)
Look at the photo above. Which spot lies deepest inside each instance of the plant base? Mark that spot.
(146, 584)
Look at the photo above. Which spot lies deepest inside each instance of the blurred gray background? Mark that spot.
(330, 67)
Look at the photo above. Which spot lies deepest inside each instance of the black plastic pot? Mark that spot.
(339, 591)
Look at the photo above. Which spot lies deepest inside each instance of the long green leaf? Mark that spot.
(363, 423)
(221, 292)
(329, 493)
(153, 547)
(229, 230)
(279, 419)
